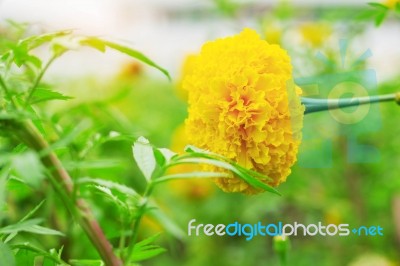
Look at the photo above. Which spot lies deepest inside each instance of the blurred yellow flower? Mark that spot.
(194, 188)
(315, 33)
(333, 216)
(130, 70)
(391, 3)
(273, 34)
(244, 106)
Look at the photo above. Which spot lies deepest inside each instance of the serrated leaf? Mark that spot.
(144, 157)
(109, 184)
(6, 255)
(144, 250)
(41, 95)
(107, 192)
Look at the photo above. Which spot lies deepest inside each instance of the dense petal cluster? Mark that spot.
(243, 105)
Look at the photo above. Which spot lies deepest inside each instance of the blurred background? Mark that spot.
(348, 166)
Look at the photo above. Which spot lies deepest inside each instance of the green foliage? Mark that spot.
(144, 157)
(89, 125)
(6, 255)
(37, 141)
(25, 125)
(145, 249)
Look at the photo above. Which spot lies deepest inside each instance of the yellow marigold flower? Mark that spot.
(315, 33)
(244, 106)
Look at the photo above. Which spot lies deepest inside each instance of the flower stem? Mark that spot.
(316, 105)
(27, 133)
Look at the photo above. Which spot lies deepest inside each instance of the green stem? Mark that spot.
(27, 133)
(39, 78)
(135, 226)
(318, 105)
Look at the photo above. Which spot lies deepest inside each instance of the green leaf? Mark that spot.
(38, 40)
(6, 255)
(197, 152)
(95, 43)
(163, 156)
(254, 182)
(147, 254)
(87, 263)
(25, 257)
(380, 18)
(109, 184)
(28, 167)
(20, 226)
(52, 255)
(147, 241)
(33, 211)
(101, 44)
(41, 95)
(30, 226)
(144, 250)
(378, 5)
(109, 195)
(191, 175)
(97, 164)
(4, 172)
(144, 157)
